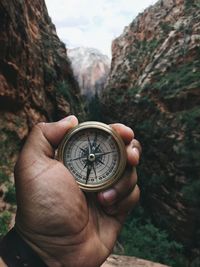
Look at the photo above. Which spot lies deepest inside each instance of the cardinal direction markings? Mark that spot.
(104, 153)
(93, 157)
(81, 157)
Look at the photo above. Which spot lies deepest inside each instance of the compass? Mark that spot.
(95, 155)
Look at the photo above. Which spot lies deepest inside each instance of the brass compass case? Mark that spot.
(95, 154)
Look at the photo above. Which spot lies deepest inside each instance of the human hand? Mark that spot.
(65, 226)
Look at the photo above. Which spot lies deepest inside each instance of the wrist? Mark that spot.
(15, 252)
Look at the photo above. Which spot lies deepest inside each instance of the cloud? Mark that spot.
(93, 23)
(72, 21)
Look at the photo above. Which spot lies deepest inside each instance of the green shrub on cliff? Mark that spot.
(166, 27)
(49, 74)
(63, 89)
(191, 4)
(94, 109)
(177, 78)
(191, 193)
(190, 152)
(9, 147)
(10, 195)
(140, 238)
(190, 147)
(5, 218)
(4, 177)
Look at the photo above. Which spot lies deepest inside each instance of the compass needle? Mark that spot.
(94, 141)
(104, 153)
(97, 148)
(90, 145)
(89, 168)
(94, 169)
(95, 155)
(83, 150)
(70, 160)
(100, 161)
(85, 165)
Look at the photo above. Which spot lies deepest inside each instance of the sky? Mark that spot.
(93, 23)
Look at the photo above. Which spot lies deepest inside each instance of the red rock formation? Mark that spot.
(36, 83)
(123, 261)
(34, 69)
(154, 87)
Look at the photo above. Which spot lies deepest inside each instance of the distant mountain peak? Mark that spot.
(91, 69)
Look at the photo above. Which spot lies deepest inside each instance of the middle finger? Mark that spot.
(121, 189)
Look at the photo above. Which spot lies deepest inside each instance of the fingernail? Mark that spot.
(68, 118)
(129, 128)
(136, 156)
(136, 152)
(110, 196)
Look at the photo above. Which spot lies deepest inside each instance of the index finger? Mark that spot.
(125, 132)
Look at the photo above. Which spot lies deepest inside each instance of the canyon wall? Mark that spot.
(36, 80)
(154, 87)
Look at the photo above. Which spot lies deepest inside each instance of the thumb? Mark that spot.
(45, 137)
(55, 131)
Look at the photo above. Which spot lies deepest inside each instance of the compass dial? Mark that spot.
(95, 154)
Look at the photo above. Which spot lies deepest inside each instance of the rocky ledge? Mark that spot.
(124, 261)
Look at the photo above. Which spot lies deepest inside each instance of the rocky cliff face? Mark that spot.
(154, 87)
(91, 69)
(36, 80)
(36, 84)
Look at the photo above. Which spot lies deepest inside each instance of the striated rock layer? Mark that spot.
(123, 261)
(33, 66)
(36, 80)
(91, 69)
(154, 87)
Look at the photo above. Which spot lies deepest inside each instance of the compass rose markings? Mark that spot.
(93, 156)
(96, 155)
(100, 161)
(81, 157)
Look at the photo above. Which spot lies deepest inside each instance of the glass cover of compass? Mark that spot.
(95, 155)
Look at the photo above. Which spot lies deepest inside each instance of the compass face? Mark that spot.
(95, 155)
